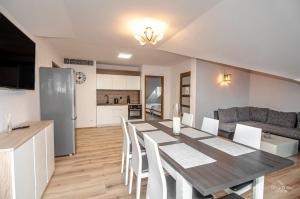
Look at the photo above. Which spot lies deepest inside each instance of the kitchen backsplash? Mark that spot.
(121, 95)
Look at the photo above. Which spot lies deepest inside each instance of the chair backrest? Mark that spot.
(248, 135)
(136, 161)
(126, 139)
(210, 125)
(156, 186)
(187, 119)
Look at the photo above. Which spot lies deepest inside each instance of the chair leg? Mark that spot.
(126, 170)
(130, 180)
(138, 186)
(123, 158)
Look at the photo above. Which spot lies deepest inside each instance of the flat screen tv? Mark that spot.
(17, 57)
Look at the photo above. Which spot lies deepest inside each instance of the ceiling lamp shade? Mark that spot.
(148, 31)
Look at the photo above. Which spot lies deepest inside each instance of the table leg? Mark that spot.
(258, 188)
(184, 189)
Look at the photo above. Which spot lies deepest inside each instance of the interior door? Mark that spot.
(185, 89)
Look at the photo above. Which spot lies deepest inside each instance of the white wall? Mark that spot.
(86, 100)
(24, 105)
(274, 93)
(158, 71)
(176, 70)
(182, 67)
(211, 94)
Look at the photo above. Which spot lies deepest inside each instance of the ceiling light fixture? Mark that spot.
(148, 31)
(124, 56)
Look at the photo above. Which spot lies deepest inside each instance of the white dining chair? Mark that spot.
(126, 153)
(138, 163)
(210, 125)
(164, 186)
(249, 136)
(187, 119)
(156, 186)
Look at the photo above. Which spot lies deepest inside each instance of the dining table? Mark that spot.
(208, 163)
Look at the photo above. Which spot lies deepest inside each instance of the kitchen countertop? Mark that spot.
(14, 139)
(112, 104)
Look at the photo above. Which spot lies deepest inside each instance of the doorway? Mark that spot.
(154, 97)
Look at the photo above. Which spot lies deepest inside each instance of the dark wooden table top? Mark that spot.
(227, 171)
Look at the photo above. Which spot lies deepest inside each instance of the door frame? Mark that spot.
(162, 79)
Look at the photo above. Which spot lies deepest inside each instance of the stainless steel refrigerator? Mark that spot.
(57, 102)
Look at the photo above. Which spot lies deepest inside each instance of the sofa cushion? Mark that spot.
(293, 133)
(258, 114)
(228, 127)
(283, 119)
(243, 113)
(251, 123)
(227, 115)
(298, 118)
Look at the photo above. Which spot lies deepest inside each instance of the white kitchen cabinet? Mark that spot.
(118, 82)
(104, 115)
(40, 163)
(117, 112)
(133, 82)
(25, 160)
(24, 171)
(50, 151)
(104, 81)
(110, 115)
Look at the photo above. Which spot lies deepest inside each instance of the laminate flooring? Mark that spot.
(94, 171)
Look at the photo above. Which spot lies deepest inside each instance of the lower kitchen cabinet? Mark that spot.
(110, 115)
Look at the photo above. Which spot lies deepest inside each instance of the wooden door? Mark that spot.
(185, 89)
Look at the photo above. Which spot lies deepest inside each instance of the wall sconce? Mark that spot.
(227, 78)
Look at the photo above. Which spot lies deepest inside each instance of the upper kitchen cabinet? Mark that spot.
(104, 81)
(133, 82)
(118, 82)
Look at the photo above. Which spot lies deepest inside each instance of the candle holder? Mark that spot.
(176, 120)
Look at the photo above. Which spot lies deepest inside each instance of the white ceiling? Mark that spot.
(261, 35)
(253, 34)
(99, 30)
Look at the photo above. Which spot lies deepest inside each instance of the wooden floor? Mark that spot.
(94, 172)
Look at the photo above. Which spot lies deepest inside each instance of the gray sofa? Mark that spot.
(286, 124)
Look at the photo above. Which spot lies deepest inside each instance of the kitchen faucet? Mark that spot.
(107, 99)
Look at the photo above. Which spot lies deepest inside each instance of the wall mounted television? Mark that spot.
(17, 57)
